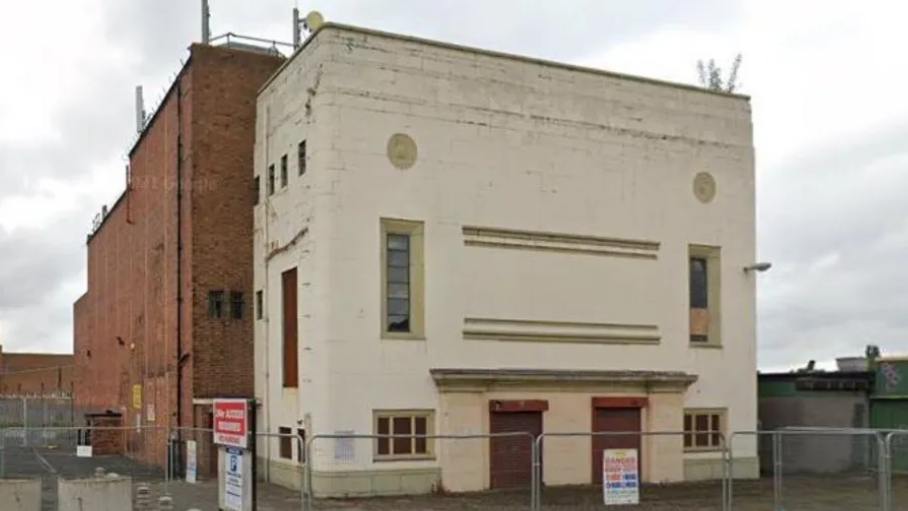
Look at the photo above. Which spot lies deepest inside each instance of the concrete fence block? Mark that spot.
(165, 503)
(95, 493)
(20, 494)
(143, 498)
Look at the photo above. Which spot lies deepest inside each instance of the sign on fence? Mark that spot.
(233, 483)
(231, 422)
(191, 461)
(620, 480)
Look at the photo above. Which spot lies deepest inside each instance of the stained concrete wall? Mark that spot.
(107, 493)
(20, 494)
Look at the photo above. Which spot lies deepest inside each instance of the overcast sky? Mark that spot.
(830, 113)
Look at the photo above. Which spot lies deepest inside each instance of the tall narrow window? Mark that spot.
(259, 305)
(284, 174)
(301, 157)
(237, 304)
(703, 284)
(270, 180)
(291, 332)
(402, 271)
(257, 189)
(398, 282)
(215, 304)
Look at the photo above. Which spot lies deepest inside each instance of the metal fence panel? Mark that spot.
(896, 445)
(438, 471)
(52, 454)
(830, 468)
(37, 411)
(192, 471)
(570, 464)
(751, 491)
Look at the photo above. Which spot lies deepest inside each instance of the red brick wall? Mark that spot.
(125, 326)
(224, 136)
(35, 373)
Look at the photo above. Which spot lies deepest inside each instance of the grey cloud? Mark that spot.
(835, 222)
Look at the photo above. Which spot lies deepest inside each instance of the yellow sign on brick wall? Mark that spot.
(137, 396)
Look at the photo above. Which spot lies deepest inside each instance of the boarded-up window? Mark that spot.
(703, 286)
(291, 332)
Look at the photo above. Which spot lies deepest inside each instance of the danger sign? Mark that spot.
(231, 422)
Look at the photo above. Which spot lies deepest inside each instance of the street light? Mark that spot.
(759, 267)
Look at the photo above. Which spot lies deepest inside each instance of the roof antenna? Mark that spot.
(140, 110)
(311, 23)
(206, 26)
(297, 36)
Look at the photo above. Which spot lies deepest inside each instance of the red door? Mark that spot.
(615, 420)
(510, 458)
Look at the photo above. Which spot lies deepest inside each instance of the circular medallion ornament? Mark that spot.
(704, 187)
(402, 151)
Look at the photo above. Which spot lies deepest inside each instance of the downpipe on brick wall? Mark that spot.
(179, 197)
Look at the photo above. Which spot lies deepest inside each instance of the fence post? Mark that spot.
(886, 477)
(24, 421)
(777, 470)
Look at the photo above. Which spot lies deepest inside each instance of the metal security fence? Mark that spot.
(191, 478)
(832, 468)
(812, 468)
(432, 470)
(896, 459)
(287, 485)
(647, 469)
(37, 411)
(52, 454)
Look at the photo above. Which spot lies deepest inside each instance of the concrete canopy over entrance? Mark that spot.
(469, 398)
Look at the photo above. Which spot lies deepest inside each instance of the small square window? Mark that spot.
(284, 176)
(215, 304)
(237, 305)
(418, 424)
(259, 305)
(703, 429)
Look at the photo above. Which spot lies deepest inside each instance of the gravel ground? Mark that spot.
(799, 494)
(827, 493)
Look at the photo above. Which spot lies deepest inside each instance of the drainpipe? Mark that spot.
(179, 198)
(265, 241)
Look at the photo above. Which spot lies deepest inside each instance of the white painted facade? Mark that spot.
(507, 143)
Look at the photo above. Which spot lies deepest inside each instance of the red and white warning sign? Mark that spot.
(231, 422)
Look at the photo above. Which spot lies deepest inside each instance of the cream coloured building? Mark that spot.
(455, 241)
